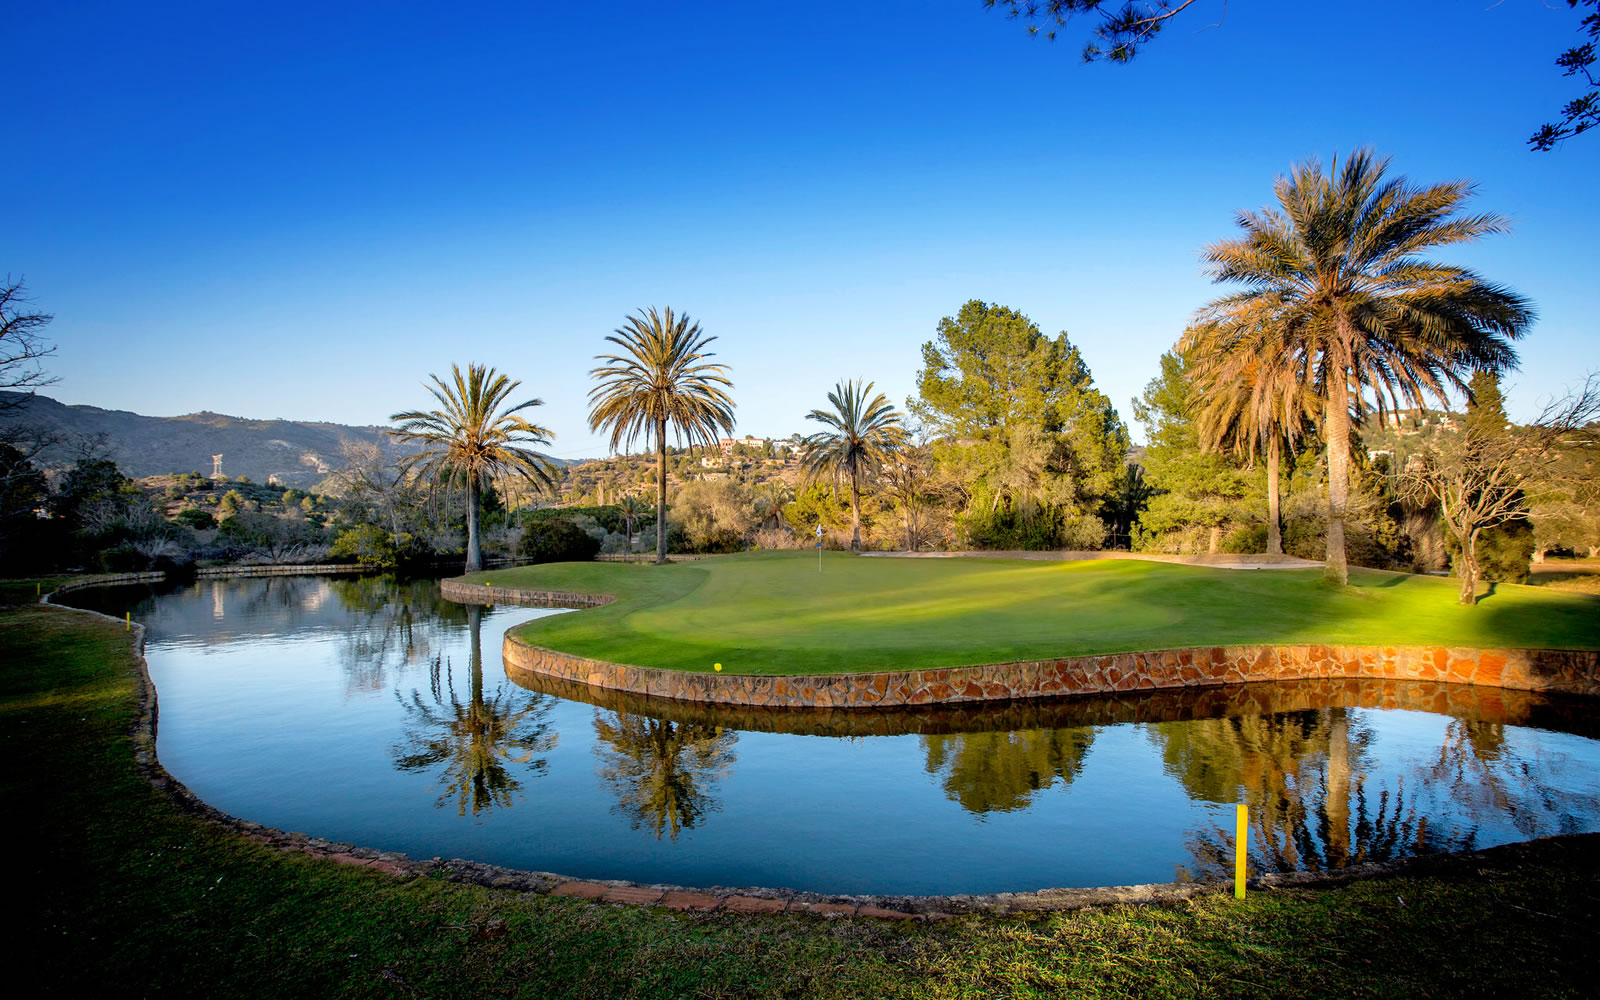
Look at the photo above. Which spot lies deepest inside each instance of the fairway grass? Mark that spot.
(774, 613)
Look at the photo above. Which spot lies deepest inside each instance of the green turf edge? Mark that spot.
(692, 615)
(126, 895)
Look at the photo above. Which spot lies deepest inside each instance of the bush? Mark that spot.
(123, 559)
(367, 544)
(1249, 539)
(557, 540)
(195, 518)
(608, 517)
(1503, 553)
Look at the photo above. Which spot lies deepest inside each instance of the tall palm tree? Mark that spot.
(1251, 405)
(474, 438)
(863, 436)
(1333, 276)
(660, 378)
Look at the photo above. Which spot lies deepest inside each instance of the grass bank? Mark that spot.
(773, 612)
(121, 894)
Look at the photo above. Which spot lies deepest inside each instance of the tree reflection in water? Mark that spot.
(1304, 776)
(386, 634)
(662, 772)
(1000, 771)
(472, 745)
(1482, 777)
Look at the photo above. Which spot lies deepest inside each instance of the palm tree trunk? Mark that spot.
(475, 661)
(474, 556)
(1337, 421)
(1274, 528)
(855, 513)
(661, 490)
(1338, 804)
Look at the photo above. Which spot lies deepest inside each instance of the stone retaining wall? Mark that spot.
(210, 572)
(477, 593)
(106, 580)
(1553, 670)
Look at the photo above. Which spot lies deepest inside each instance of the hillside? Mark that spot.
(297, 453)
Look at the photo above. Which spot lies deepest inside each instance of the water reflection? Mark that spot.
(1320, 800)
(1003, 771)
(479, 750)
(1480, 771)
(393, 622)
(662, 773)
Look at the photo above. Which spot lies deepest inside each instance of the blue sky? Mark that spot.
(282, 210)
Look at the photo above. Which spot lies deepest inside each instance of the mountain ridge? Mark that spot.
(298, 453)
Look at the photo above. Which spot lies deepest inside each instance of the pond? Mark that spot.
(373, 711)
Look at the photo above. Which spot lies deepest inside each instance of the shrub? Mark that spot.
(1504, 552)
(1251, 538)
(123, 559)
(557, 540)
(367, 544)
(608, 517)
(195, 518)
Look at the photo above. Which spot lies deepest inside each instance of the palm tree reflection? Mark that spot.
(473, 745)
(1304, 776)
(1001, 772)
(662, 772)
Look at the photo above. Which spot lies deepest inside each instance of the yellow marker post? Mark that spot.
(1241, 844)
(129, 626)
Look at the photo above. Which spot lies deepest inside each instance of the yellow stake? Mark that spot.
(1241, 843)
(129, 626)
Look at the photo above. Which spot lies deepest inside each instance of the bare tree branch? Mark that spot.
(1481, 478)
(21, 346)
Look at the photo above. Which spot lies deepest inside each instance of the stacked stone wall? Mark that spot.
(1549, 670)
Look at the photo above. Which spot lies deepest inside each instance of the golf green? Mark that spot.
(775, 613)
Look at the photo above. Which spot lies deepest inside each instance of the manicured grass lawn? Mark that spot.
(1577, 576)
(27, 590)
(772, 612)
(117, 893)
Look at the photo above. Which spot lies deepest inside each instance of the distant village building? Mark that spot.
(752, 442)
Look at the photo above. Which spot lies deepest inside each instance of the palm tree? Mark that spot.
(473, 439)
(1249, 405)
(1132, 497)
(1333, 279)
(863, 436)
(771, 497)
(659, 379)
(633, 508)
